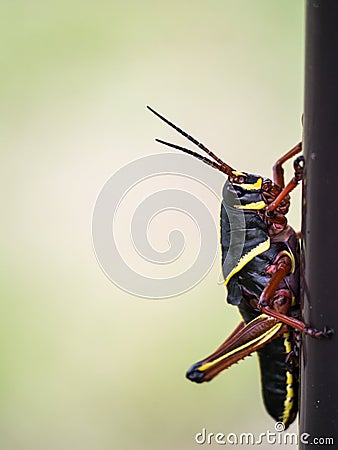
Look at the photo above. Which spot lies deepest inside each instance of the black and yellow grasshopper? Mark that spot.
(261, 269)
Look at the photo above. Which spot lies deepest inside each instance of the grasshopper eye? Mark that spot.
(237, 179)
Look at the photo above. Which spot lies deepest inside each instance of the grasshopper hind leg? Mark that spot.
(243, 341)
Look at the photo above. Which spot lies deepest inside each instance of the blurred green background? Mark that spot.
(83, 364)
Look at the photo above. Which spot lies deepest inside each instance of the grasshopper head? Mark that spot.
(244, 191)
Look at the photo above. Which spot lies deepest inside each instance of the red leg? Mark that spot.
(278, 172)
(284, 266)
(298, 166)
(280, 310)
(297, 324)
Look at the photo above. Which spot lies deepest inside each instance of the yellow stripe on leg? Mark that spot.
(259, 340)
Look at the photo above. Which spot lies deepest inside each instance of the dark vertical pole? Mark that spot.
(319, 376)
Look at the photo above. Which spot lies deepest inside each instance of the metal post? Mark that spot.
(319, 374)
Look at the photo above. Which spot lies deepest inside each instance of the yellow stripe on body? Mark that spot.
(260, 248)
(288, 402)
(292, 258)
(250, 187)
(255, 205)
(260, 340)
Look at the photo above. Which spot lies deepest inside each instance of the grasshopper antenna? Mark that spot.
(190, 152)
(225, 167)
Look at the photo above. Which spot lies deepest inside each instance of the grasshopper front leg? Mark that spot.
(278, 172)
